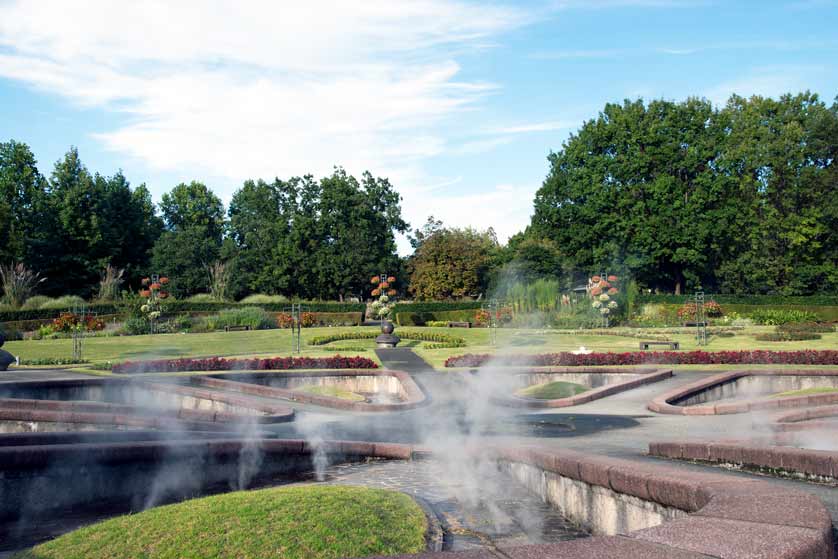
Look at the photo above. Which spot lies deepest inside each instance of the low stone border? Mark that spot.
(816, 465)
(807, 419)
(648, 376)
(414, 396)
(136, 416)
(712, 514)
(667, 402)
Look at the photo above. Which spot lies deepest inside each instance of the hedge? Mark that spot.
(436, 306)
(787, 336)
(756, 357)
(437, 337)
(422, 318)
(222, 364)
(758, 300)
(174, 307)
(828, 313)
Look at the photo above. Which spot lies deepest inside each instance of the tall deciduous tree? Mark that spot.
(452, 264)
(21, 185)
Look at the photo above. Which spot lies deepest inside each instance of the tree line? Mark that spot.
(677, 195)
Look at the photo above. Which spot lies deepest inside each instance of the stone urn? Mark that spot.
(387, 339)
(6, 358)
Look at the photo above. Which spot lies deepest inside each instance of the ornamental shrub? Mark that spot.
(565, 359)
(773, 317)
(222, 364)
(806, 327)
(254, 317)
(787, 336)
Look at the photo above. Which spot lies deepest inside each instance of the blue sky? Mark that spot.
(459, 103)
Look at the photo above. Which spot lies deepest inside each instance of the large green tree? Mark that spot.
(84, 222)
(682, 195)
(315, 239)
(453, 263)
(192, 241)
(21, 186)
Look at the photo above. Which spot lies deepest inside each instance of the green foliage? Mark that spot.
(540, 295)
(36, 302)
(262, 299)
(18, 283)
(52, 361)
(453, 263)
(441, 317)
(65, 302)
(202, 298)
(316, 238)
(773, 317)
(632, 298)
(136, 326)
(453, 341)
(806, 327)
(436, 306)
(738, 199)
(728, 299)
(254, 317)
(787, 336)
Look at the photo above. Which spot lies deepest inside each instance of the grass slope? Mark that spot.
(552, 390)
(308, 522)
(330, 391)
(806, 392)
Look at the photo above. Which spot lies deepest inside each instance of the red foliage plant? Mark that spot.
(255, 364)
(563, 359)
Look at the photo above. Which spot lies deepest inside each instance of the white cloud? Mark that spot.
(767, 82)
(547, 126)
(259, 88)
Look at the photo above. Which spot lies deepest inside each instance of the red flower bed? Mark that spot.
(222, 364)
(564, 359)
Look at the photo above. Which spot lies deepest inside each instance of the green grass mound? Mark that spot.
(331, 392)
(552, 390)
(806, 392)
(310, 522)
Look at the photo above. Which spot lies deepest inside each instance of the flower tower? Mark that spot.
(602, 290)
(384, 292)
(154, 292)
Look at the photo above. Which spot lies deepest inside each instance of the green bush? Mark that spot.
(437, 337)
(135, 326)
(36, 302)
(436, 306)
(65, 302)
(773, 317)
(256, 318)
(436, 323)
(53, 361)
(803, 300)
(423, 318)
(201, 298)
(262, 299)
(787, 336)
(806, 327)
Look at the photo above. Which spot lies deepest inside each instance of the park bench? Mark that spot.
(236, 328)
(672, 345)
(453, 324)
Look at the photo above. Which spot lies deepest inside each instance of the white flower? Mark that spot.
(604, 310)
(384, 298)
(145, 308)
(383, 311)
(596, 304)
(612, 305)
(604, 297)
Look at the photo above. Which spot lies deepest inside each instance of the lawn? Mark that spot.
(303, 522)
(331, 392)
(552, 390)
(279, 343)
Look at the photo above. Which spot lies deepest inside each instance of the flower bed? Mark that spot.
(768, 357)
(444, 340)
(222, 364)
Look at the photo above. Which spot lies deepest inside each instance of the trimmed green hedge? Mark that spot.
(436, 306)
(760, 300)
(439, 339)
(422, 318)
(174, 307)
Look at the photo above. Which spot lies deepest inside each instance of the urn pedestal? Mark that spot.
(387, 339)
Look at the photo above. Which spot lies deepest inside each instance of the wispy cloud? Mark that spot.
(546, 126)
(260, 88)
(768, 82)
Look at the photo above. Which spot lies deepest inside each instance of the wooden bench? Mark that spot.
(672, 345)
(236, 328)
(459, 324)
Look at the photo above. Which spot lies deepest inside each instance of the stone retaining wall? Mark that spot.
(157, 406)
(703, 514)
(676, 401)
(819, 465)
(38, 479)
(633, 378)
(394, 382)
